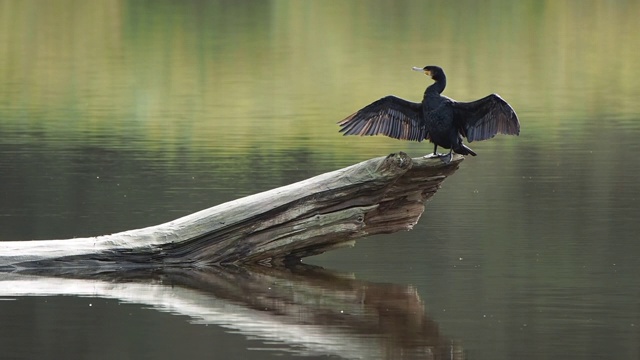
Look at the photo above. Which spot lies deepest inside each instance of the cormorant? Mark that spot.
(441, 120)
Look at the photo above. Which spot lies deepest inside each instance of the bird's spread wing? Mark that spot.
(390, 116)
(483, 119)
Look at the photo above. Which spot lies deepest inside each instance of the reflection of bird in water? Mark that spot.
(441, 120)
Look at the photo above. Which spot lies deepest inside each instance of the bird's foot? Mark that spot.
(434, 155)
(446, 158)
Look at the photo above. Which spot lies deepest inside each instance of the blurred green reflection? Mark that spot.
(183, 74)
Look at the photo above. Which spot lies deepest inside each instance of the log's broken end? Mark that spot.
(394, 206)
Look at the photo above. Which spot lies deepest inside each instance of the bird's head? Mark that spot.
(435, 72)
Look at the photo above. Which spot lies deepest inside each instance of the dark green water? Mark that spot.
(117, 115)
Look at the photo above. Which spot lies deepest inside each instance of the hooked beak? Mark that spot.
(426, 72)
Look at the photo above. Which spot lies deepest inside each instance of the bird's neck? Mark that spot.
(437, 87)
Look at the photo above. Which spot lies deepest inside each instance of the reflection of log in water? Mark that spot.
(282, 225)
(311, 310)
(389, 319)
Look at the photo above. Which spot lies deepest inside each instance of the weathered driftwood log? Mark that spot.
(380, 195)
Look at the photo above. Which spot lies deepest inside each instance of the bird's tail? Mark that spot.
(465, 150)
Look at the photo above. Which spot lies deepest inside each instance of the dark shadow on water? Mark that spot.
(311, 310)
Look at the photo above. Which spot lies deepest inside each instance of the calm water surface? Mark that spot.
(116, 115)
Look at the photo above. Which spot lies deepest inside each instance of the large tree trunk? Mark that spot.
(380, 195)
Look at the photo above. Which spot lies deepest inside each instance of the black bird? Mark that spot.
(441, 120)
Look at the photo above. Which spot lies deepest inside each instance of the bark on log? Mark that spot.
(381, 195)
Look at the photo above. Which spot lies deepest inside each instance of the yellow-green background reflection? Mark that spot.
(192, 72)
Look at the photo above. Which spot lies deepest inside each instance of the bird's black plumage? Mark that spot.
(441, 120)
